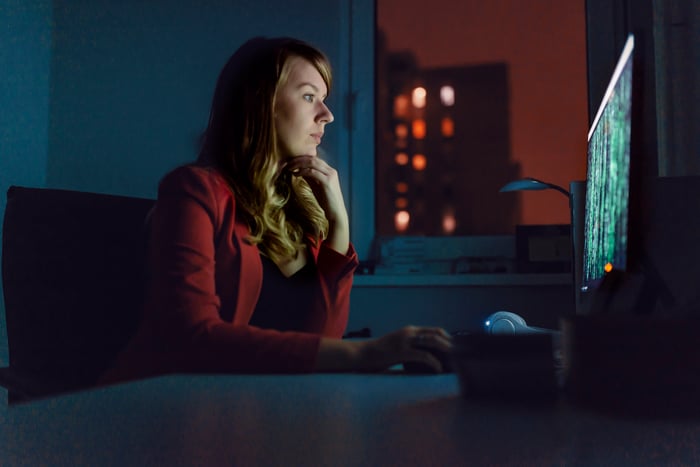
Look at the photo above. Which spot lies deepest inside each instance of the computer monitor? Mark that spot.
(607, 203)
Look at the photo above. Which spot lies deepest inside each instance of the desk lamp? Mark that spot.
(576, 196)
(528, 184)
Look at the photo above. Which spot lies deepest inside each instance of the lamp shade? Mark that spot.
(530, 184)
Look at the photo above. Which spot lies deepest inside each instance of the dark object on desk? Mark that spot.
(72, 270)
(633, 365)
(502, 365)
(502, 323)
(543, 248)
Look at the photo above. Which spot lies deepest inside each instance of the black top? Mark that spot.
(285, 302)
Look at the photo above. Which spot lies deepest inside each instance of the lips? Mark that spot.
(317, 137)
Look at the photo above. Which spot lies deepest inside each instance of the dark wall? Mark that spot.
(668, 45)
(106, 96)
(25, 52)
(608, 24)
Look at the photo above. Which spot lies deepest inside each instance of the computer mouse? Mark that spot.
(506, 322)
(423, 368)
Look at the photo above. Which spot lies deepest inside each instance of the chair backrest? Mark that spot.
(72, 268)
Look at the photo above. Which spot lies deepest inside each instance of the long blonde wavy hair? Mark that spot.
(241, 141)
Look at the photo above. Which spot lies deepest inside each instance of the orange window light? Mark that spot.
(402, 187)
(419, 162)
(418, 128)
(447, 127)
(401, 131)
(449, 223)
(401, 103)
(418, 97)
(401, 221)
(401, 158)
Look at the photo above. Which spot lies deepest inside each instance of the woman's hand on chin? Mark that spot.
(325, 184)
(324, 181)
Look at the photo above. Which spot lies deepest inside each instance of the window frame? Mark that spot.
(361, 126)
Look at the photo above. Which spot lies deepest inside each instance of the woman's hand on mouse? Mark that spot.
(408, 344)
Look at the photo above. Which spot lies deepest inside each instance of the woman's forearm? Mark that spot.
(339, 234)
(338, 355)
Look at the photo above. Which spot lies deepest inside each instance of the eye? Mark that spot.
(309, 97)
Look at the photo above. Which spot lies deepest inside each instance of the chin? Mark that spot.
(308, 151)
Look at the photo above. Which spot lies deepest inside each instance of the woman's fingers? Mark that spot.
(431, 337)
(301, 163)
(323, 180)
(409, 344)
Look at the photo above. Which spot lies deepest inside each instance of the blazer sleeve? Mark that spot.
(335, 272)
(183, 295)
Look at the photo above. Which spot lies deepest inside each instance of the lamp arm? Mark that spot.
(552, 186)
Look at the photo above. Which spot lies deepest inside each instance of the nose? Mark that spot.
(325, 115)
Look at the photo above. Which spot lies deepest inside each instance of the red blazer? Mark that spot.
(204, 282)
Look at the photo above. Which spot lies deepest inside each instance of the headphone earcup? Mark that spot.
(505, 322)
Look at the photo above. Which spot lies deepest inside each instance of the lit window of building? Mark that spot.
(401, 158)
(401, 221)
(401, 203)
(402, 187)
(447, 127)
(401, 131)
(449, 222)
(419, 162)
(401, 106)
(418, 128)
(418, 97)
(447, 96)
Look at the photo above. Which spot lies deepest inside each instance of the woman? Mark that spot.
(250, 263)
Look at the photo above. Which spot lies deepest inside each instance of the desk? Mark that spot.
(326, 419)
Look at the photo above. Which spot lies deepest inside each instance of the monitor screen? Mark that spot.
(605, 238)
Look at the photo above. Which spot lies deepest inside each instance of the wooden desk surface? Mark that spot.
(331, 419)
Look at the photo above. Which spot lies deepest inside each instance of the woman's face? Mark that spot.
(300, 112)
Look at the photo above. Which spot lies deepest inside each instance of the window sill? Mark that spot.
(457, 280)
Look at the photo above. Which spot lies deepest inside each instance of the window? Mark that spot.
(447, 96)
(419, 162)
(479, 94)
(418, 97)
(447, 127)
(539, 54)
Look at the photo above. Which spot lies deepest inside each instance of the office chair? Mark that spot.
(72, 266)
